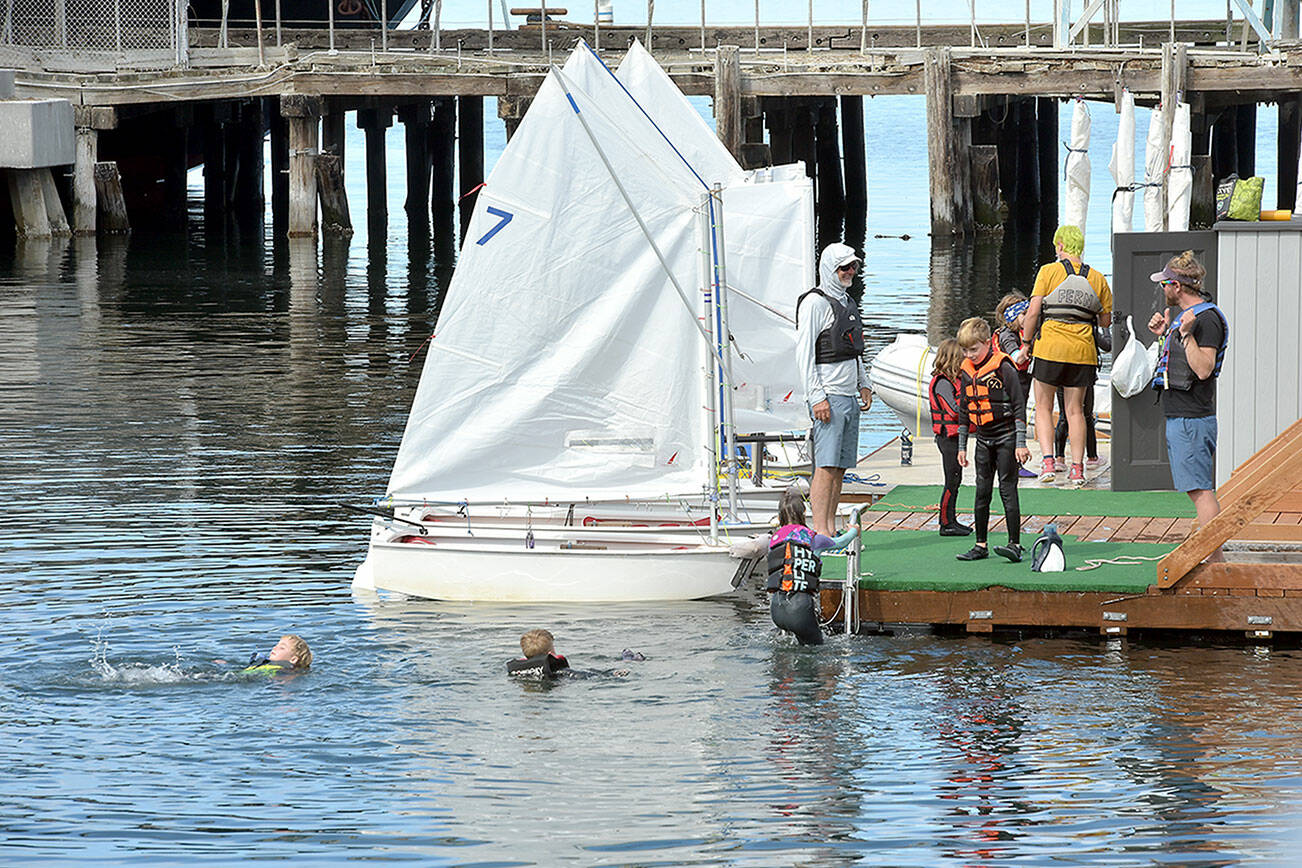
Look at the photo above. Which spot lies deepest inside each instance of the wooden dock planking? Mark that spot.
(1130, 528)
(1155, 530)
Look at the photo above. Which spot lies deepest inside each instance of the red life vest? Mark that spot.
(944, 418)
(988, 398)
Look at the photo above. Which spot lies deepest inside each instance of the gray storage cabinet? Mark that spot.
(1259, 275)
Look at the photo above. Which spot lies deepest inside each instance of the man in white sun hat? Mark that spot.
(829, 349)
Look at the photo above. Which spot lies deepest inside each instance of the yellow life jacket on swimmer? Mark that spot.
(265, 666)
(988, 397)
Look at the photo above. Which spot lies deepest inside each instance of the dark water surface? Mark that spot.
(178, 416)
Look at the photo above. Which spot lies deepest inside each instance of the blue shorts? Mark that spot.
(836, 443)
(1191, 447)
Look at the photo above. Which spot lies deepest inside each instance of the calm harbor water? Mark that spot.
(178, 417)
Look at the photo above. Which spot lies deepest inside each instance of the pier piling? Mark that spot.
(112, 204)
(1043, 166)
(1290, 126)
(374, 122)
(727, 98)
(279, 171)
(442, 151)
(303, 114)
(951, 189)
(470, 146)
(415, 119)
(856, 168)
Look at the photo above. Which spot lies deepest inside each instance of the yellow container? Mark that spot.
(1276, 215)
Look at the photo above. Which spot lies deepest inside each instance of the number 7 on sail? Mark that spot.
(506, 217)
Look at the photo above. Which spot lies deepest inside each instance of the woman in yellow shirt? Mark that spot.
(1069, 299)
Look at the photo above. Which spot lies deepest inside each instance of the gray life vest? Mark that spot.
(843, 339)
(1074, 300)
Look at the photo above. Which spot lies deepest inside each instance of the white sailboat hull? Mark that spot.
(492, 574)
(901, 373)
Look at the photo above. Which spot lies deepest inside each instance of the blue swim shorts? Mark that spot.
(1191, 448)
(836, 443)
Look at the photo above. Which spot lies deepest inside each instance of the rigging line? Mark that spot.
(689, 166)
(565, 85)
(755, 301)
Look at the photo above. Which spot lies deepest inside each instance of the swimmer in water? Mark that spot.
(540, 658)
(289, 654)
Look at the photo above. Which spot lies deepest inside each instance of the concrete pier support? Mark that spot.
(470, 154)
(951, 189)
(374, 122)
(727, 98)
(27, 199)
(303, 114)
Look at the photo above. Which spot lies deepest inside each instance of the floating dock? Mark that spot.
(1135, 560)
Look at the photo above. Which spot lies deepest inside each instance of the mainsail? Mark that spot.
(565, 364)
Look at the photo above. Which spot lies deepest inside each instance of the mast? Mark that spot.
(724, 344)
(711, 364)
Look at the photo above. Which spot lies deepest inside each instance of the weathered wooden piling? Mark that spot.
(951, 189)
(1045, 166)
(511, 110)
(88, 122)
(1290, 127)
(831, 189)
(27, 199)
(856, 168)
(442, 151)
(214, 165)
(112, 204)
(727, 98)
(988, 208)
(470, 146)
(175, 147)
(333, 127)
(335, 218)
(303, 114)
(249, 132)
(374, 122)
(279, 171)
(415, 119)
(777, 120)
(1245, 149)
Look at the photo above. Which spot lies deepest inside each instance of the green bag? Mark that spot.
(1245, 202)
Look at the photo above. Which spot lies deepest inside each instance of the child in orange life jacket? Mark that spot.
(943, 397)
(1010, 313)
(794, 566)
(993, 403)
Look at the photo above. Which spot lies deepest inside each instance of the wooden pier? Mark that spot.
(779, 94)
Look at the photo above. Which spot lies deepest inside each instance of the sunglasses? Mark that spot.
(1168, 283)
(851, 267)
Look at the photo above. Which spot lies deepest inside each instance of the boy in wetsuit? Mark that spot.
(540, 657)
(992, 402)
(290, 653)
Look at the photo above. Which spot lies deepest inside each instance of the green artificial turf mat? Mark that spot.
(913, 560)
(1046, 501)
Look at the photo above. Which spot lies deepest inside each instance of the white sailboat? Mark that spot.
(575, 413)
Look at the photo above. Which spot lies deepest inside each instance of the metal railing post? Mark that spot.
(384, 26)
(542, 22)
(863, 32)
(810, 46)
(223, 35)
(850, 586)
(918, 8)
(117, 21)
(702, 26)
(650, 16)
(330, 5)
(490, 26)
(1028, 23)
(279, 42)
(257, 25)
(9, 22)
(596, 25)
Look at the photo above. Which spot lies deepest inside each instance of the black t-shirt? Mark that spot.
(1198, 400)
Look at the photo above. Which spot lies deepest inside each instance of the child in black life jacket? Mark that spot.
(540, 658)
(794, 567)
(943, 397)
(992, 402)
(1010, 313)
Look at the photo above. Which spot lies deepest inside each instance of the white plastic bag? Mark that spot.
(1133, 367)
